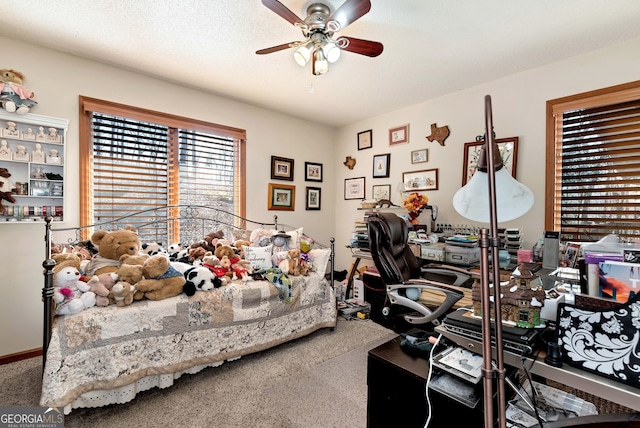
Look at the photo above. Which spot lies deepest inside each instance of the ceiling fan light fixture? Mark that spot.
(320, 64)
(302, 55)
(331, 52)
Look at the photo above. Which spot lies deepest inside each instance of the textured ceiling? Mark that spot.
(431, 47)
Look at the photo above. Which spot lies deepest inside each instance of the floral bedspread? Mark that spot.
(106, 348)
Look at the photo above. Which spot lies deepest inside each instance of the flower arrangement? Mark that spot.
(415, 203)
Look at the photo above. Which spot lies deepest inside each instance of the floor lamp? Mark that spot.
(492, 194)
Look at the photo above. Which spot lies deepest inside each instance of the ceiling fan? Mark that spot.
(318, 29)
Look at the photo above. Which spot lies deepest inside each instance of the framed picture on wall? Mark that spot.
(426, 179)
(354, 188)
(312, 171)
(399, 135)
(313, 198)
(420, 156)
(365, 139)
(381, 191)
(281, 197)
(281, 168)
(381, 164)
(508, 150)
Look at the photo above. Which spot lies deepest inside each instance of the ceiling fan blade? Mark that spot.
(359, 46)
(350, 11)
(284, 12)
(278, 48)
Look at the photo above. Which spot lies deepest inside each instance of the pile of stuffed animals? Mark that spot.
(115, 268)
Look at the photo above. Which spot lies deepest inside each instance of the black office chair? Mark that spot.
(401, 273)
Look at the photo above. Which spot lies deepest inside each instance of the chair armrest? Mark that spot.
(452, 295)
(462, 276)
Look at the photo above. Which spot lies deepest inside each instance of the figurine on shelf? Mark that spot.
(53, 135)
(21, 154)
(11, 130)
(38, 154)
(40, 136)
(38, 173)
(53, 157)
(29, 135)
(14, 97)
(5, 151)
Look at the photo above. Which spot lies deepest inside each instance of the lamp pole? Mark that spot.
(489, 243)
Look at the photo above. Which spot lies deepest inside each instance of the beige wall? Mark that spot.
(519, 109)
(58, 79)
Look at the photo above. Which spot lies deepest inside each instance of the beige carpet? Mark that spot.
(315, 381)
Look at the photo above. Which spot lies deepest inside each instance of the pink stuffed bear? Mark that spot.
(101, 285)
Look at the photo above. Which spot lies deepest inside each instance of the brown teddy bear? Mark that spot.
(239, 246)
(111, 246)
(161, 280)
(122, 293)
(66, 259)
(137, 259)
(6, 188)
(132, 274)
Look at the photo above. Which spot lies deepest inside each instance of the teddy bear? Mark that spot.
(211, 240)
(161, 280)
(199, 278)
(132, 274)
(137, 259)
(287, 261)
(70, 294)
(102, 285)
(13, 96)
(122, 293)
(111, 246)
(6, 188)
(66, 259)
(239, 247)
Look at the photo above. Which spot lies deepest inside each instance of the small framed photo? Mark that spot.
(426, 179)
(381, 191)
(381, 164)
(420, 156)
(313, 198)
(399, 135)
(312, 171)
(365, 139)
(354, 188)
(508, 150)
(281, 197)
(281, 168)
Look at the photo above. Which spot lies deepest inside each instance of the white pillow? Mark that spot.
(320, 259)
(259, 257)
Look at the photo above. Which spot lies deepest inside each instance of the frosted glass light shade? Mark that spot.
(513, 199)
(319, 64)
(303, 54)
(331, 52)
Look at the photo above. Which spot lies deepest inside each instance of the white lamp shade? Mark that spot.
(513, 199)
(320, 64)
(302, 54)
(331, 52)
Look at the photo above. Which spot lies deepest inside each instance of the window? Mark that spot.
(133, 159)
(593, 164)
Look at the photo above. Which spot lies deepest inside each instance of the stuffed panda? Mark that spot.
(199, 278)
(174, 251)
(153, 248)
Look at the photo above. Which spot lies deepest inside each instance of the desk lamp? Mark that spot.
(492, 193)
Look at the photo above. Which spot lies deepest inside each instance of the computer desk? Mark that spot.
(608, 389)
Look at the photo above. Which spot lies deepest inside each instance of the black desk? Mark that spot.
(396, 393)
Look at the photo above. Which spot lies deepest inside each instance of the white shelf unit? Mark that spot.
(39, 178)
